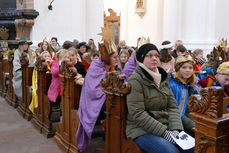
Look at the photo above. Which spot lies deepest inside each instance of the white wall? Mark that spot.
(199, 23)
(69, 19)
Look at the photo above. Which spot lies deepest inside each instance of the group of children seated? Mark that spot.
(161, 80)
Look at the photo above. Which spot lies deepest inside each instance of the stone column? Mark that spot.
(25, 19)
(171, 19)
(94, 19)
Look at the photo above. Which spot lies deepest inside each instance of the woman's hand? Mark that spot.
(78, 76)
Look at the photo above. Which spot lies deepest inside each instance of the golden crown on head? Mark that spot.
(141, 41)
(46, 40)
(222, 43)
(183, 59)
(108, 45)
(223, 68)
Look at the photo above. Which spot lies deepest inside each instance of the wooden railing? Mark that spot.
(66, 129)
(42, 112)
(10, 96)
(211, 128)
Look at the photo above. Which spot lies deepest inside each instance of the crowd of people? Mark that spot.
(162, 78)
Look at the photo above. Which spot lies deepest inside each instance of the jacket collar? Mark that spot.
(148, 79)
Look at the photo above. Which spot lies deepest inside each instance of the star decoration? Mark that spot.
(107, 34)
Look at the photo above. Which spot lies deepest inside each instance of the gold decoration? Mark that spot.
(222, 43)
(20, 1)
(140, 7)
(4, 33)
(108, 46)
(181, 59)
(223, 68)
(107, 33)
(142, 40)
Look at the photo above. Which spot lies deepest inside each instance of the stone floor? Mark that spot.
(17, 135)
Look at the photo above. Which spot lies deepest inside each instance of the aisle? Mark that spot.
(17, 135)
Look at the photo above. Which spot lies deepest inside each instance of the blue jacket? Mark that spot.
(178, 89)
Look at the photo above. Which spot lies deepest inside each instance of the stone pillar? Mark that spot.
(23, 27)
(25, 20)
(198, 24)
(94, 21)
(171, 19)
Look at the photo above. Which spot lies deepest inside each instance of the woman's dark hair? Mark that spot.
(181, 48)
(94, 53)
(107, 58)
(68, 44)
(54, 38)
(165, 57)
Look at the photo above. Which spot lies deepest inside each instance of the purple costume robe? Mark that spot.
(91, 101)
(129, 67)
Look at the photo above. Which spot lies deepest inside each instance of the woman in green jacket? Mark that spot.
(153, 114)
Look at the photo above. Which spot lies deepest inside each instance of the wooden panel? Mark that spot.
(24, 102)
(41, 115)
(66, 129)
(116, 90)
(211, 128)
(10, 97)
(113, 21)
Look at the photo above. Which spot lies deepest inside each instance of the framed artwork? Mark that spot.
(140, 7)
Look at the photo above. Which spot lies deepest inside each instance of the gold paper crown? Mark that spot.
(222, 43)
(223, 68)
(46, 40)
(108, 45)
(141, 41)
(183, 59)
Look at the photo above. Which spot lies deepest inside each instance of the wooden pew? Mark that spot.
(24, 102)
(211, 128)
(1, 74)
(115, 123)
(41, 114)
(11, 97)
(66, 129)
(225, 102)
(4, 71)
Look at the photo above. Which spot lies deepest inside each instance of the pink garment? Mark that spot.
(168, 67)
(54, 87)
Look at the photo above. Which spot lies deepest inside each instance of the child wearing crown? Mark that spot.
(92, 97)
(183, 83)
(5, 49)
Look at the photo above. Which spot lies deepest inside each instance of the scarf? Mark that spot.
(156, 75)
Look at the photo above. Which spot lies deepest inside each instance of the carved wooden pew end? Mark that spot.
(11, 97)
(70, 96)
(24, 102)
(211, 128)
(115, 123)
(41, 117)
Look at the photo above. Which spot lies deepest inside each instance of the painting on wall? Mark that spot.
(140, 7)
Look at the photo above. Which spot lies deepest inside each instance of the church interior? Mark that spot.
(105, 76)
